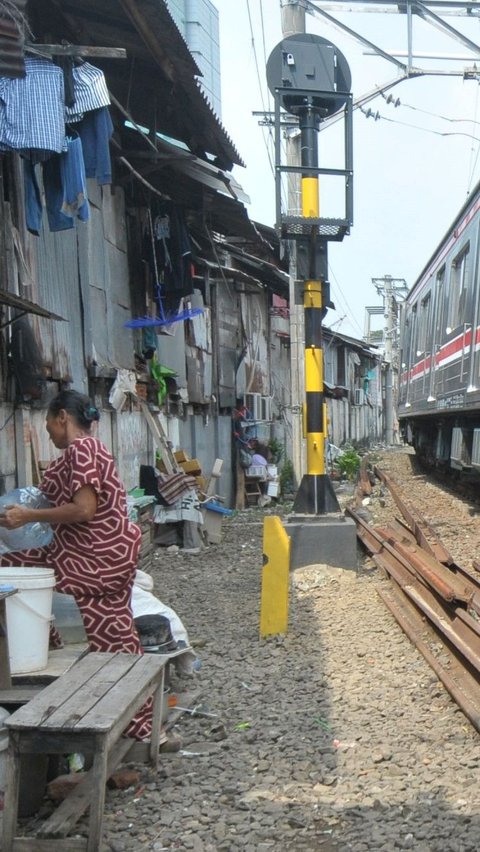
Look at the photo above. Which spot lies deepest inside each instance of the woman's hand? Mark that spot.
(15, 516)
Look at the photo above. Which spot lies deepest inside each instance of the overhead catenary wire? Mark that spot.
(259, 80)
(268, 137)
(398, 103)
(378, 117)
(473, 160)
(343, 299)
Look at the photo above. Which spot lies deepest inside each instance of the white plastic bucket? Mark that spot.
(29, 614)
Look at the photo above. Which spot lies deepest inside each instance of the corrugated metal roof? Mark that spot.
(158, 80)
(12, 62)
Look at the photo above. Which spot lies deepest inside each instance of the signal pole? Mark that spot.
(293, 21)
(310, 80)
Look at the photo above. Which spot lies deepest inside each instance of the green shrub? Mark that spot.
(276, 450)
(348, 463)
(286, 477)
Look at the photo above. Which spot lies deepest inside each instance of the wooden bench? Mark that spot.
(86, 711)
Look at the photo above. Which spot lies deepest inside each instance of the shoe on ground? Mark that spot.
(172, 744)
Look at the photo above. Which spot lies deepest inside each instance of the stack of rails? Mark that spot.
(431, 597)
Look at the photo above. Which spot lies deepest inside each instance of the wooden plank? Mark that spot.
(44, 704)
(160, 438)
(106, 700)
(19, 694)
(76, 50)
(215, 474)
(59, 662)
(80, 702)
(74, 806)
(128, 696)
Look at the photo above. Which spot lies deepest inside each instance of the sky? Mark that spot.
(414, 166)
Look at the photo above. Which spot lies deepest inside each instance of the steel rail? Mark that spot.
(423, 532)
(425, 536)
(429, 599)
(461, 684)
(460, 631)
(434, 575)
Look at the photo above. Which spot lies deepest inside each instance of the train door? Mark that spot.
(458, 330)
(423, 340)
(474, 376)
(438, 326)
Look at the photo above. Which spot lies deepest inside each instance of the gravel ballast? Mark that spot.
(337, 736)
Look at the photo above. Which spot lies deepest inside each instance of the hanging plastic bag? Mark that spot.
(30, 535)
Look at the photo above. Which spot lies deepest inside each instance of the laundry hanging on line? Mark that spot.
(33, 116)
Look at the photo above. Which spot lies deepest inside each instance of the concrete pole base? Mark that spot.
(327, 539)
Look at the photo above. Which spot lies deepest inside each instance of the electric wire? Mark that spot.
(473, 161)
(343, 300)
(267, 134)
(378, 117)
(271, 138)
(259, 80)
(473, 121)
(474, 150)
(398, 103)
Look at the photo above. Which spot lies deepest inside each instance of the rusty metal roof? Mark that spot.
(157, 82)
(11, 38)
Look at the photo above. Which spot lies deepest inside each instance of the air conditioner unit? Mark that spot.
(266, 408)
(359, 396)
(253, 401)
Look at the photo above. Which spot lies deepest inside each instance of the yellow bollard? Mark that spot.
(275, 578)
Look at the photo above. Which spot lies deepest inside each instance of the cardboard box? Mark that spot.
(201, 483)
(192, 466)
(181, 456)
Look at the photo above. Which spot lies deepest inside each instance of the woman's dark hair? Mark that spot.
(77, 404)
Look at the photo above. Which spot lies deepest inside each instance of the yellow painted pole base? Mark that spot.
(275, 578)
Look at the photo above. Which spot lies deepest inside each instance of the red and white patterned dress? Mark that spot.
(94, 561)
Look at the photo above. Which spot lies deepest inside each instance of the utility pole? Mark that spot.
(392, 289)
(293, 21)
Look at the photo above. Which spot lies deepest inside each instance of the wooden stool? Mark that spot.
(252, 490)
(85, 710)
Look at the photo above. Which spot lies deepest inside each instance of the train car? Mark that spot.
(439, 383)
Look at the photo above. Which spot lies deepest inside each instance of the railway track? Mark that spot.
(435, 601)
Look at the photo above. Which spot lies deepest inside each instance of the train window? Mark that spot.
(459, 282)
(423, 327)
